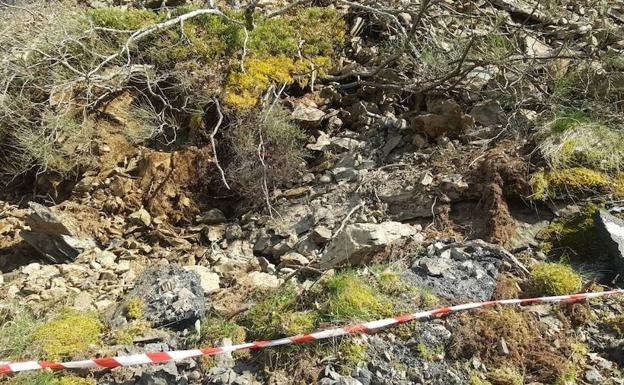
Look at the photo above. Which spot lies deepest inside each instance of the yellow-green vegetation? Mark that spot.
(568, 376)
(351, 352)
(554, 279)
(424, 352)
(127, 333)
(475, 379)
(47, 378)
(207, 56)
(505, 376)
(276, 314)
(69, 333)
(571, 182)
(350, 296)
(134, 308)
(573, 237)
(617, 323)
(213, 331)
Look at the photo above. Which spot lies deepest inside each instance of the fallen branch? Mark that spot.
(212, 142)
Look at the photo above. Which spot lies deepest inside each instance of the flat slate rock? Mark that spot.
(457, 274)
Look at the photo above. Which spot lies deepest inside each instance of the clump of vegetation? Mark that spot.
(276, 315)
(126, 334)
(76, 61)
(350, 353)
(351, 297)
(529, 343)
(134, 308)
(554, 279)
(16, 329)
(505, 376)
(573, 237)
(570, 182)
(47, 378)
(267, 148)
(617, 323)
(67, 334)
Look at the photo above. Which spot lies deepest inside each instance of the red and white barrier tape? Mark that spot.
(147, 358)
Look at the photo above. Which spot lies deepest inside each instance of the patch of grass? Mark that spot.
(16, 334)
(554, 279)
(475, 379)
(424, 352)
(67, 334)
(276, 314)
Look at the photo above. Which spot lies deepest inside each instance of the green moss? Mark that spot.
(569, 376)
(554, 279)
(127, 334)
(424, 352)
(134, 308)
(617, 323)
(123, 19)
(573, 238)
(505, 376)
(475, 379)
(567, 120)
(67, 334)
(571, 182)
(350, 296)
(216, 329)
(74, 380)
(351, 353)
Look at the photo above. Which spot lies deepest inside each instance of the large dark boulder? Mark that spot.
(168, 296)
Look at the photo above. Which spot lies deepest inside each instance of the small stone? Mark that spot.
(141, 217)
(325, 179)
(106, 259)
(426, 179)
(293, 258)
(307, 114)
(321, 235)
(211, 217)
(502, 347)
(594, 377)
(83, 301)
(262, 280)
(208, 279)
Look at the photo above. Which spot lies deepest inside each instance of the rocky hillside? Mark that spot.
(195, 174)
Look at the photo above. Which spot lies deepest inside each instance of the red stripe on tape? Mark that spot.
(51, 365)
(302, 338)
(210, 351)
(5, 369)
(107, 362)
(259, 344)
(158, 356)
(404, 318)
(444, 310)
(360, 328)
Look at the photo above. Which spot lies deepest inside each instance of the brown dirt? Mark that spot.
(503, 174)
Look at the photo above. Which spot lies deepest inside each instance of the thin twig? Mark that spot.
(212, 142)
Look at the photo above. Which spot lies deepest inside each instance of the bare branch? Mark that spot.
(212, 142)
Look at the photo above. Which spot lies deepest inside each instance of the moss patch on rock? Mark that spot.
(573, 237)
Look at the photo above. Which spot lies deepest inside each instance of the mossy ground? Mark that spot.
(67, 334)
(554, 279)
(47, 378)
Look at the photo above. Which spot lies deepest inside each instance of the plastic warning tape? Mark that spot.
(177, 355)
